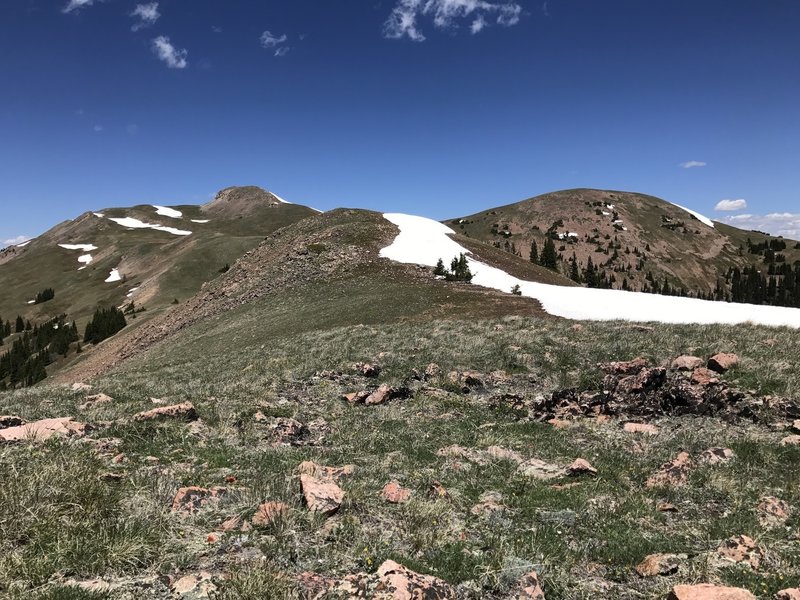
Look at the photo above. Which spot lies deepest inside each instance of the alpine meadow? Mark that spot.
(406, 377)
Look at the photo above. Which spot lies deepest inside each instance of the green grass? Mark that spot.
(262, 357)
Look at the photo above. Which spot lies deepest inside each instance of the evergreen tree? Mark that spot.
(549, 257)
(534, 255)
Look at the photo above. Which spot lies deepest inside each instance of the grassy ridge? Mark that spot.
(260, 357)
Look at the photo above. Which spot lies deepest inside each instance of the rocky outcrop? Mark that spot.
(394, 493)
(723, 362)
(40, 431)
(707, 591)
(189, 500)
(672, 474)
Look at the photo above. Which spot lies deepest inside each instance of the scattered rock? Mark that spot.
(788, 594)
(795, 425)
(80, 387)
(741, 549)
(722, 362)
(529, 588)
(789, 440)
(577, 327)
(95, 400)
(581, 467)
(646, 428)
(432, 370)
(184, 411)
(626, 367)
(356, 397)
(467, 380)
(394, 493)
(647, 379)
(773, 512)
(687, 363)
(403, 584)
(703, 376)
(383, 394)
(367, 369)
(320, 490)
(539, 469)
(288, 431)
(672, 474)
(716, 456)
(269, 513)
(189, 500)
(7, 421)
(658, 564)
(707, 591)
(39, 431)
(309, 467)
(489, 503)
(315, 585)
(194, 586)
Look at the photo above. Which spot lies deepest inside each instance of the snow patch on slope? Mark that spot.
(114, 276)
(200, 220)
(702, 218)
(23, 244)
(424, 241)
(132, 223)
(166, 211)
(84, 247)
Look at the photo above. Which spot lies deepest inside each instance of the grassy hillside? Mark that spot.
(161, 265)
(250, 369)
(682, 249)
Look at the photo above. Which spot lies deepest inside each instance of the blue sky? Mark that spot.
(433, 107)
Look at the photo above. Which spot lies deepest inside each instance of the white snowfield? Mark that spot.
(114, 276)
(23, 244)
(200, 220)
(166, 211)
(99, 215)
(424, 241)
(702, 218)
(132, 223)
(84, 247)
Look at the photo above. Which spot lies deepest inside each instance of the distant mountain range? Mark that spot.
(186, 264)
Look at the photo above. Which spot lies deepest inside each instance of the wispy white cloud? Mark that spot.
(785, 224)
(731, 205)
(97, 128)
(74, 5)
(16, 240)
(402, 21)
(147, 14)
(175, 59)
(268, 40)
(692, 164)
(478, 24)
(132, 129)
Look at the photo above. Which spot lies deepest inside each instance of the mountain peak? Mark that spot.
(241, 200)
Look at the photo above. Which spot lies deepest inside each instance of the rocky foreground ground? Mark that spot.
(651, 479)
